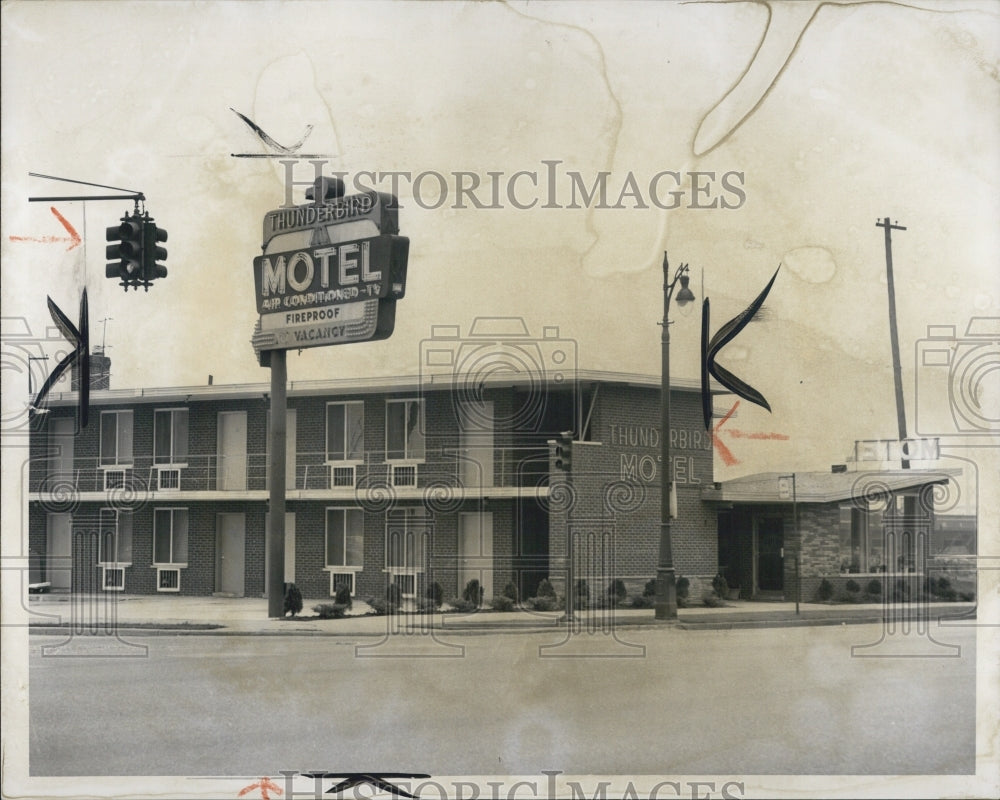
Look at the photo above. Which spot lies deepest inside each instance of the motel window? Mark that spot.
(116, 438)
(407, 534)
(116, 536)
(345, 537)
(860, 540)
(170, 536)
(170, 436)
(345, 431)
(404, 430)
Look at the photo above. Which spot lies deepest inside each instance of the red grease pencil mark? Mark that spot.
(724, 452)
(265, 785)
(741, 435)
(73, 238)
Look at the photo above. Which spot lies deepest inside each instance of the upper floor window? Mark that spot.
(116, 438)
(404, 430)
(345, 431)
(170, 436)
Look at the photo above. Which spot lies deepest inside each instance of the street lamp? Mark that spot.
(666, 581)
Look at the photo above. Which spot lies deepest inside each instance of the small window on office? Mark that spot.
(404, 430)
(170, 436)
(861, 545)
(345, 431)
(116, 438)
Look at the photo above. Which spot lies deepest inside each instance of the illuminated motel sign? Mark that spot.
(331, 273)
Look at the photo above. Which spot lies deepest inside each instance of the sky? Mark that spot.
(779, 134)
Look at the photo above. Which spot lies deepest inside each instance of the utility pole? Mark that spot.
(894, 334)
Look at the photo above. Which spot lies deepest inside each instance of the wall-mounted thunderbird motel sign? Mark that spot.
(331, 273)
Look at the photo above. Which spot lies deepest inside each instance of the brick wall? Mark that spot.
(616, 493)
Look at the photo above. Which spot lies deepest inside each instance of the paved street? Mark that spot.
(783, 700)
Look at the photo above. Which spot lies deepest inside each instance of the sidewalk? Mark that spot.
(50, 613)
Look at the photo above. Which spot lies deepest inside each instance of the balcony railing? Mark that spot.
(442, 469)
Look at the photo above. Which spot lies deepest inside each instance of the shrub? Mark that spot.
(941, 588)
(650, 589)
(380, 606)
(426, 605)
(545, 589)
(342, 596)
(616, 591)
(393, 595)
(720, 586)
(330, 610)
(966, 597)
(874, 587)
(582, 594)
(683, 586)
(463, 606)
(545, 603)
(473, 593)
(852, 586)
(510, 590)
(901, 591)
(502, 603)
(643, 601)
(713, 601)
(293, 599)
(435, 594)
(825, 590)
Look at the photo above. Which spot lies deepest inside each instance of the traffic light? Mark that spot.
(564, 451)
(152, 252)
(125, 253)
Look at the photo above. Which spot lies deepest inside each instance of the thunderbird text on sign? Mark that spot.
(378, 208)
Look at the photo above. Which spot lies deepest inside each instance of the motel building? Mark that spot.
(433, 479)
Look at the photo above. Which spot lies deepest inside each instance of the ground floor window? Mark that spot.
(116, 537)
(170, 536)
(882, 538)
(345, 537)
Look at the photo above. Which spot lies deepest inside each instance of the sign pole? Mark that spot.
(276, 505)
(798, 546)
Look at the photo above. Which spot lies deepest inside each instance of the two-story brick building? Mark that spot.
(421, 480)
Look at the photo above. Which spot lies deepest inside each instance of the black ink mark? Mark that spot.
(290, 150)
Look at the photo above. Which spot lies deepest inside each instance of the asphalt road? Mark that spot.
(742, 702)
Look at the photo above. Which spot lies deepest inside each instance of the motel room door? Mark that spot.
(770, 543)
(476, 442)
(475, 551)
(230, 536)
(232, 470)
(59, 552)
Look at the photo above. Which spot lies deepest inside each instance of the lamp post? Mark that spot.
(666, 581)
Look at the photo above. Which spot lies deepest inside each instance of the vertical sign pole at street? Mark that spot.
(798, 547)
(276, 526)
